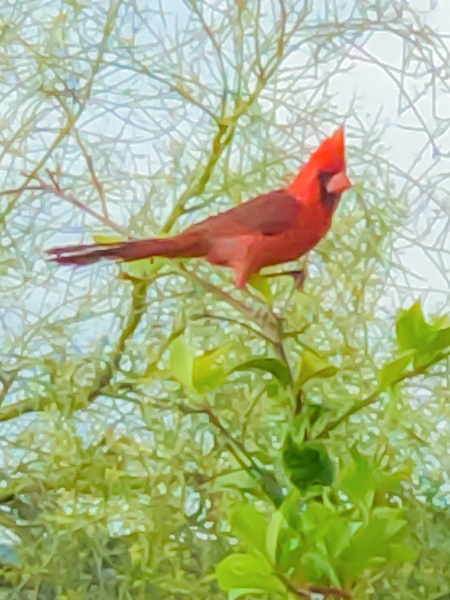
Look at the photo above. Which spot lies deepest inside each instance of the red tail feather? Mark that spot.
(122, 251)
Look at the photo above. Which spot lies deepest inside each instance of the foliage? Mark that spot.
(163, 434)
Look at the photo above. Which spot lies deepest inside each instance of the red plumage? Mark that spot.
(270, 229)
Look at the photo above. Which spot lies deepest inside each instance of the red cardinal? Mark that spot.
(268, 230)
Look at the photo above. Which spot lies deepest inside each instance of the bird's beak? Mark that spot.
(338, 183)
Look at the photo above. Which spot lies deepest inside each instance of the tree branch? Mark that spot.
(268, 482)
(375, 395)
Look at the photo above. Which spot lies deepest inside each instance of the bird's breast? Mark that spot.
(296, 241)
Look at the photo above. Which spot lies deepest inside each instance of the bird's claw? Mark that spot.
(299, 276)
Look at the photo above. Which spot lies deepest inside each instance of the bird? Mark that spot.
(270, 229)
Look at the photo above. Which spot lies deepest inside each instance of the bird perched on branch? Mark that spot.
(271, 229)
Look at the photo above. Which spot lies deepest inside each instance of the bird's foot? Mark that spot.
(299, 276)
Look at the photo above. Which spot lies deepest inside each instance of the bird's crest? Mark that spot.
(329, 159)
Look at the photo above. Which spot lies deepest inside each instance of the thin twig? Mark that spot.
(308, 590)
(248, 312)
(267, 480)
(95, 180)
(68, 197)
(375, 395)
(137, 311)
(247, 326)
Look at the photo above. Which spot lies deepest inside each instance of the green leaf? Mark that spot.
(273, 529)
(290, 511)
(270, 365)
(261, 284)
(100, 238)
(391, 371)
(314, 366)
(247, 571)
(362, 477)
(337, 535)
(357, 479)
(307, 463)
(402, 553)
(371, 545)
(238, 592)
(413, 332)
(143, 268)
(250, 526)
(442, 339)
(240, 480)
(182, 361)
(317, 568)
(392, 519)
(207, 374)
(198, 372)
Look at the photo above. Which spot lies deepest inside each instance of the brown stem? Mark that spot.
(267, 480)
(58, 191)
(137, 311)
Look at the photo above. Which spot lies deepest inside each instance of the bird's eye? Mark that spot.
(329, 199)
(325, 176)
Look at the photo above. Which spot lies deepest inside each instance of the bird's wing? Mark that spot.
(269, 214)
